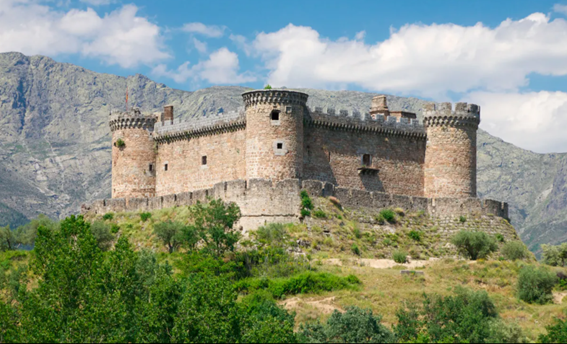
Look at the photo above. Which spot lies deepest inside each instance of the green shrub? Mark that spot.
(320, 214)
(306, 203)
(114, 228)
(354, 326)
(354, 248)
(400, 212)
(120, 143)
(463, 318)
(400, 257)
(415, 235)
(272, 234)
(103, 235)
(474, 245)
(499, 237)
(514, 250)
(388, 215)
(556, 333)
(554, 255)
(170, 233)
(305, 213)
(145, 216)
(379, 219)
(462, 219)
(387, 242)
(108, 216)
(535, 285)
(268, 87)
(307, 282)
(357, 233)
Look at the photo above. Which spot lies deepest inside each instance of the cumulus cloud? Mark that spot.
(200, 46)
(221, 67)
(533, 120)
(425, 60)
(120, 37)
(98, 2)
(212, 31)
(559, 8)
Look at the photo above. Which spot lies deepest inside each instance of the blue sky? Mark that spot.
(508, 56)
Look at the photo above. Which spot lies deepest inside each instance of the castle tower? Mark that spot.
(133, 154)
(379, 106)
(274, 133)
(450, 155)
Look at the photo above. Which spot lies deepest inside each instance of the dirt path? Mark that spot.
(558, 297)
(324, 306)
(382, 263)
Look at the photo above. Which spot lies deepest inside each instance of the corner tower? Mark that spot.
(450, 154)
(274, 133)
(133, 154)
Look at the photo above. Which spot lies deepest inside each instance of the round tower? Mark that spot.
(274, 133)
(450, 155)
(133, 154)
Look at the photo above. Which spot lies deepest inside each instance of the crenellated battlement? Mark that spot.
(133, 119)
(178, 129)
(443, 114)
(274, 96)
(357, 121)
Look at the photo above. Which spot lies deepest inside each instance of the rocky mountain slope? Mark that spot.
(55, 143)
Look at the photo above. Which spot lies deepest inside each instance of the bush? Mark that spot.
(474, 245)
(400, 257)
(514, 250)
(268, 87)
(120, 143)
(462, 219)
(556, 333)
(7, 239)
(462, 318)
(354, 326)
(535, 285)
(272, 234)
(554, 255)
(388, 215)
(305, 213)
(108, 216)
(415, 235)
(145, 216)
(499, 237)
(114, 228)
(170, 233)
(320, 214)
(103, 235)
(400, 212)
(355, 249)
(307, 282)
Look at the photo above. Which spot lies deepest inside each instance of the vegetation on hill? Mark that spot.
(96, 279)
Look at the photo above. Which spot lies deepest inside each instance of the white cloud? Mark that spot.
(221, 68)
(425, 60)
(98, 2)
(534, 120)
(559, 8)
(200, 46)
(205, 30)
(120, 37)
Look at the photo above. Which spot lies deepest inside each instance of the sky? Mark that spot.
(508, 56)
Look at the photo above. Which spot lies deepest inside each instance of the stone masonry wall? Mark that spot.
(225, 160)
(334, 156)
(262, 201)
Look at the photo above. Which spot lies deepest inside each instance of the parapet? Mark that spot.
(274, 96)
(442, 114)
(132, 119)
(357, 121)
(179, 129)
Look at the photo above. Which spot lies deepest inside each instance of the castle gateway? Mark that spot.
(278, 137)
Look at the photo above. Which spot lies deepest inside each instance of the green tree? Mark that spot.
(354, 326)
(474, 244)
(103, 234)
(535, 284)
(464, 317)
(26, 234)
(7, 239)
(214, 223)
(170, 233)
(514, 250)
(554, 255)
(556, 333)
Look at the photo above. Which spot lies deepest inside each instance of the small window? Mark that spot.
(366, 160)
(151, 168)
(275, 115)
(165, 167)
(280, 145)
(204, 160)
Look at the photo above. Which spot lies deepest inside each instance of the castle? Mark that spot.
(276, 138)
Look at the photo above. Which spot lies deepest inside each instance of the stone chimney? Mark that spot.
(379, 106)
(167, 113)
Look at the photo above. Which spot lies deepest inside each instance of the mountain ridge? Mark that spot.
(55, 146)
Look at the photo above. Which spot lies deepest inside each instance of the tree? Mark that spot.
(170, 233)
(103, 235)
(556, 333)
(354, 326)
(7, 239)
(474, 245)
(26, 234)
(535, 285)
(554, 255)
(214, 223)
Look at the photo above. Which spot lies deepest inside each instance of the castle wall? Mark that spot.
(225, 160)
(334, 156)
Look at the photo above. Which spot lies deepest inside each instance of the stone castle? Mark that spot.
(261, 156)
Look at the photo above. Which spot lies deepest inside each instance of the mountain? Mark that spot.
(55, 143)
